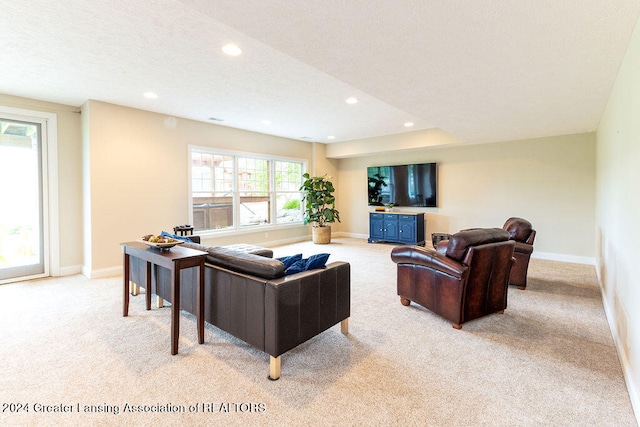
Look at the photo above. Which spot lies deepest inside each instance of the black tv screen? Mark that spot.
(403, 185)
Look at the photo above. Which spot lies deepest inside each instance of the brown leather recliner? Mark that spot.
(521, 231)
(469, 280)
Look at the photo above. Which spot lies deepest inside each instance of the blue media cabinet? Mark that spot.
(397, 227)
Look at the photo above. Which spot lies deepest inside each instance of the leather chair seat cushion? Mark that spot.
(460, 242)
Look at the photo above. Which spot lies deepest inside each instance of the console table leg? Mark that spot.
(175, 310)
(147, 291)
(200, 303)
(344, 326)
(125, 301)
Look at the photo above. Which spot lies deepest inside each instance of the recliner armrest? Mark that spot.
(427, 257)
(524, 248)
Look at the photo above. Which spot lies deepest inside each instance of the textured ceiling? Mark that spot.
(482, 70)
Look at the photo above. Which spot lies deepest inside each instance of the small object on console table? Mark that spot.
(183, 230)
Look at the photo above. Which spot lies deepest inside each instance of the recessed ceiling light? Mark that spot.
(266, 122)
(352, 100)
(408, 124)
(150, 95)
(331, 137)
(232, 50)
(215, 119)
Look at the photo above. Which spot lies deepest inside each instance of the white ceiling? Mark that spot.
(482, 70)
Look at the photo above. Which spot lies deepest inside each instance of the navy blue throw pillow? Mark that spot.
(316, 261)
(304, 264)
(296, 267)
(289, 260)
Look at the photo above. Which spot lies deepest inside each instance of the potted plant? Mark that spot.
(320, 206)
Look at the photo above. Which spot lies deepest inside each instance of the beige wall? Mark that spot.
(69, 178)
(135, 178)
(549, 181)
(137, 182)
(618, 211)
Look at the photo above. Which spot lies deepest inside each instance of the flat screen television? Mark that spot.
(403, 185)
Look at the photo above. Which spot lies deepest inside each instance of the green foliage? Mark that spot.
(376, 183)
(292, 204)
(320, 204)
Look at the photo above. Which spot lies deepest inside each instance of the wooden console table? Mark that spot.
(175, 260)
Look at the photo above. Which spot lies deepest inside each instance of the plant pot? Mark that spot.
(321, 235)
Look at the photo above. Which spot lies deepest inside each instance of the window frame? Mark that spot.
(237, 228)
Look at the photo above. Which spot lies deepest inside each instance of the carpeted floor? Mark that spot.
(549, 360)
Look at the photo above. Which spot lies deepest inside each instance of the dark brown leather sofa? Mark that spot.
(249, 296)
(520, 231)
(466, 278)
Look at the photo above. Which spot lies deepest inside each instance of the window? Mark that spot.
(238, 191)
(253, 189)
(288, 177)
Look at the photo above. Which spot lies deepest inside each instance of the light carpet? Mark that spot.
(548, 360)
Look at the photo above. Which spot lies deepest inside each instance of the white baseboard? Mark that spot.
(103, 272)
(626, 369)
(70, 271)
(352, 235)
(117, 270)
(576, 259)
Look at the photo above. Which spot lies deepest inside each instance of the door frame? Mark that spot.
(50, 203)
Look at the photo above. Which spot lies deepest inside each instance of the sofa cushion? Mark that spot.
(251, 249)
(460, 242)
(246, 263)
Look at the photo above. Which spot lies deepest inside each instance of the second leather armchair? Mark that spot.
(468, 281)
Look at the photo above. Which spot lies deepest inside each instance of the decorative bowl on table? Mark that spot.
(160, 242)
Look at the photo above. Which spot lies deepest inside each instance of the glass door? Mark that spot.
(22, 234)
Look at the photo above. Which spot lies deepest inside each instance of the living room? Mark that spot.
(123, 172)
